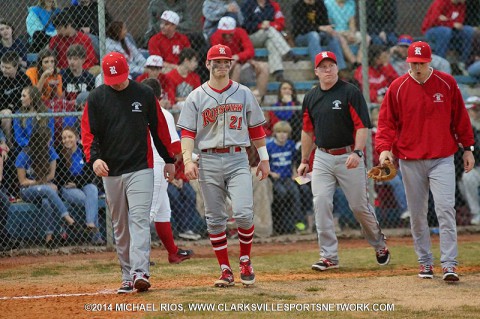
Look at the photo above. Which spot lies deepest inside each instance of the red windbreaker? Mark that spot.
(453, 12)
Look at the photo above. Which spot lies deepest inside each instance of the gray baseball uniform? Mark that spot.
(221, 121)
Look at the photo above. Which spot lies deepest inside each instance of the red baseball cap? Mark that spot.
(419, 52)
(325, 55)
(219, 52)
(115, 68)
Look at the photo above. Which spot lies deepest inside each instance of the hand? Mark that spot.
(70, 185)
(302, 170)
(47, 72)
(468, 161)
(100, 168)
(232, 7)
(352, 161)
(286, 98)
(85, 30)
(169, 171)
(457, 26)
(385, 155)
(191, 171)
(178, 183)
(265, 24)
(264, 168)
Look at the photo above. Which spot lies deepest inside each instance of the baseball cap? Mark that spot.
(115, 68)
(419, 52)
(405, 40)
(170, 16)
(154, 60)
(219, 52)
(227, 25)
(325, 55)
(472, 102)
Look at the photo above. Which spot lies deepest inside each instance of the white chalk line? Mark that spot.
(102, 292)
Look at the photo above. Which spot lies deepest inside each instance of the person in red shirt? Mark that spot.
(168, 43)
(183, 80)
(422, 121)
(380, 72)
(444, 27)
(243, 52)
(66, 36)
(153, 70)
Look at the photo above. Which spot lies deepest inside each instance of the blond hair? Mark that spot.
(282, 126)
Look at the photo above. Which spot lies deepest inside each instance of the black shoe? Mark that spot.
(279, 76)
(51, 244)
(292, 56)
(383, 256)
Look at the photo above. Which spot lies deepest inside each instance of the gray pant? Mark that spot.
(276, 45)
(437, 175)
(222, 175)
(129, 198)
(328, 170)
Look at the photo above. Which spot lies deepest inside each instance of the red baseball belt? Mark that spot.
(338, 151)
(235, 149)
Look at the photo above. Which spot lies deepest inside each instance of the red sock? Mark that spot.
(164, 232)
(219, 244)
(245, 237)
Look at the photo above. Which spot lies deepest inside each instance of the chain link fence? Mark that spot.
(58, 46)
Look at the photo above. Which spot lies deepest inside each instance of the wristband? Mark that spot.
(304, 161)
(195, 157)
(262, 152)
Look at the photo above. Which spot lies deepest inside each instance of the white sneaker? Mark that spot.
(189, 235)
(405, 215)
(475, 220)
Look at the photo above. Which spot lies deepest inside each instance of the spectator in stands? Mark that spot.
(39, 23)
(77, 181)
(342, 16)
(80, 102)
(473, 64)
(7, 241)
(156, 8)
(396, 184)
(470, 183)
(183, 79)
(286, 196)
(214, 10)
(264, 22)
(36, 170)
(68, 35)
(8, 43)
(12, 83)
(118, 41)
(398, 56)
(242, 53)
(168, 43)
(85, 19)
(45, 75)
(24, 126)
(286, 96)
(153, 70)
(380, 72)
(444, 28)
(74, 78)
(315, 30)
(382, 21)
(183, 200)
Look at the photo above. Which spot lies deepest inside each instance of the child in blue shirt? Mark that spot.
(286, 195)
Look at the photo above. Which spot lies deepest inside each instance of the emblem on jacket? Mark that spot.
(438, 97)
(136, 107)
(336, 105)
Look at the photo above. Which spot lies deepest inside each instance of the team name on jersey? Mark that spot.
(210, 115)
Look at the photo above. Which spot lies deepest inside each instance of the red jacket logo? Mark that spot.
(210, 115)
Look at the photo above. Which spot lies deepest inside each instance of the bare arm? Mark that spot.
(307, 146)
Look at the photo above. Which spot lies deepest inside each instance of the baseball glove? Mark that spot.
(382, 173)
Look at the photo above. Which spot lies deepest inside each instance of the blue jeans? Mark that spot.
(183, 201)
(286, 205)
(87, 196)
(474, 69)
(313, 39)
(49, 200)
(443, 38)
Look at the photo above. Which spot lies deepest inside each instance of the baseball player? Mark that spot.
(220, 118)
(422, 119)
(335, 116)
(116, 125)
(160, 212)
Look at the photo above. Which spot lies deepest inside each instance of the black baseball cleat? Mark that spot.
(383, 256)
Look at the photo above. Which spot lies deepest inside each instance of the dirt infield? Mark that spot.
(46, 294)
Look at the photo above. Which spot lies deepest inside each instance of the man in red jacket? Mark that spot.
(168, 43)
(243, 52)
(68, 35)
(444, 27)
(422, 121)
